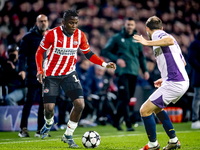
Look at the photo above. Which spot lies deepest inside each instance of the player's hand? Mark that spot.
(40, 77)
(111, 65)
(121, 63)
(22, 74)
(158, 83)
(140, 39)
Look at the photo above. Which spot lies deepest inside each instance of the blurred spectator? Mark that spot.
(128, 55)
(82, 67)
(27, 65)
(2, 50)
(14, 82)
(95, 91)
(194, 60)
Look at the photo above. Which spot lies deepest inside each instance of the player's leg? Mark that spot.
(146, 112)
(169, 129)
(50, 92)
(72, 88)
(48, 116)
(78, 106)
(174, 91)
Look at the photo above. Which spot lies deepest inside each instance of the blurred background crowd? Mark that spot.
(100, 20)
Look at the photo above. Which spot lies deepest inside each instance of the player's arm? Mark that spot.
(165, 41)
(44, 45)
(96, 60)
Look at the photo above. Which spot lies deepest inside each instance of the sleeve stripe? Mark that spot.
(85, 49)
(43, 47)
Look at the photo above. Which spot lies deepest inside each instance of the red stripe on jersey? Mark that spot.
(61, 65)
(70, 62)
(50, 53)
(52, 64)
(73, 64)
(68, 41)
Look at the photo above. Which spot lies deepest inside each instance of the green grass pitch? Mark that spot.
(111, 139)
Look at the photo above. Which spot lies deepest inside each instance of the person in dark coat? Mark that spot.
(128, 55)
(28, 70)
(194, 60)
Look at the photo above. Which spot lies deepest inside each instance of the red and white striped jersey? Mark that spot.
(62, 51)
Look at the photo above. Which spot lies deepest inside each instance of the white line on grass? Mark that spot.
(53, 139)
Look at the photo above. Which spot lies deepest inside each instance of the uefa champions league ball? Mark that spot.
(91, 139)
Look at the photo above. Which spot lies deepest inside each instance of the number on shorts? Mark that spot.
(76, 80)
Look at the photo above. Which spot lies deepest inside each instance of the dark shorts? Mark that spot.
(69, 83)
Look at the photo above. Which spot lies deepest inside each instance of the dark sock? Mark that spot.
(150, 126)
(167, 124)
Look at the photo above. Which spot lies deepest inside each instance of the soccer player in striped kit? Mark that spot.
(61, 44)
(173, 84)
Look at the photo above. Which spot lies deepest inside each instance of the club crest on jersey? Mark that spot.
(46, 90)
(75, 43)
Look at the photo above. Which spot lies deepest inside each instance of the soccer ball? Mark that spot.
(91, 139)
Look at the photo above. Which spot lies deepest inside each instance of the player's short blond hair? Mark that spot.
(154, 23)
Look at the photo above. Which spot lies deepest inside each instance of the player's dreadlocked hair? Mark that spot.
(69, 13)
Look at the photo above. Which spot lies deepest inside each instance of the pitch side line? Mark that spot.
(53, 139)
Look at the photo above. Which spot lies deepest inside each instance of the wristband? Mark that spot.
(104, 64)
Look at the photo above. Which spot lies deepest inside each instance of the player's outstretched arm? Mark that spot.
(165, 41)
(96, 60)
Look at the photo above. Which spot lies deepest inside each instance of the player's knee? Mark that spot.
(49, 108)
(142, 111)
(79, 105)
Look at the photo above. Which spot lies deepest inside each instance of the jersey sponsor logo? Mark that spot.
(157, 52)
(64, 51)
(75, 43)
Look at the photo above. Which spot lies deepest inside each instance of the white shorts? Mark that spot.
(169, 92)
